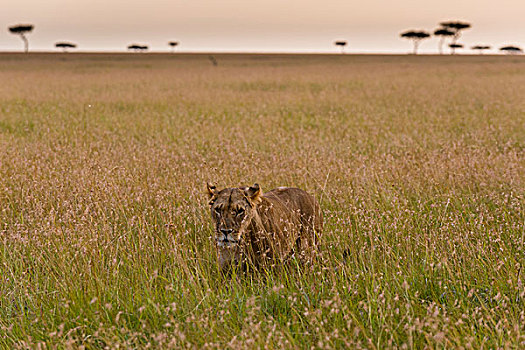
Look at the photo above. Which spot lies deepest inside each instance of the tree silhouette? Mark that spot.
(511, 50)
(65, 45)
(22, 29)
(137, 47)
(341, 43)
(443, 33)
(415, 35)
(456, 27)
(454, 47)
(481, 48)
(172, 44)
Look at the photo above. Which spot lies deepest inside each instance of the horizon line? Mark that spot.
(467, 52)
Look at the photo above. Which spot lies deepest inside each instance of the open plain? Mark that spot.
(418, 163)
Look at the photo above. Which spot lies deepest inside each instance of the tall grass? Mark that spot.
(418, 162)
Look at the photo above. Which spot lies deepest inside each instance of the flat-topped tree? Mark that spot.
(65, 45)
(137, 47)
(416, 36)
(480, 48)
(342, 44)
(453, 47)
(456, 27)
(511, 50)
(443, 33)
(22, 30)
(172, 44)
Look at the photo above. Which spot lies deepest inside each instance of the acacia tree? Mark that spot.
(453, 47)
(416, 36)
(172, 44)
(137, 47)
(22, 30)
(511, 50)
(443, 33)
(342, 44)
(65, 45)
(456, 27)
(481, 48)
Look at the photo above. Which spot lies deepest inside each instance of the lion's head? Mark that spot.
(232, 210)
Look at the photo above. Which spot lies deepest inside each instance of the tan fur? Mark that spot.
(259, 228)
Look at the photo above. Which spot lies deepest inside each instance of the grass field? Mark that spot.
(418, 163)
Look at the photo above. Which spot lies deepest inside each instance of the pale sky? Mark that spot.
(257, 25)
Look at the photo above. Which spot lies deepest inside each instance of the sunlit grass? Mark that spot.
(418, 163)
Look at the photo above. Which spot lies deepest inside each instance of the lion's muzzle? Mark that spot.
(226, 238)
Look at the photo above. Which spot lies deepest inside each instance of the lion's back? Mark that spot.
(299, 202)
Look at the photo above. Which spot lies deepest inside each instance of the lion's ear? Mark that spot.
(254, 193)
(212, 189)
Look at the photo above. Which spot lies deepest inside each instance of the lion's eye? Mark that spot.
(240, 212)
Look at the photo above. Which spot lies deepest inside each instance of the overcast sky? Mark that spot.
(257, 25)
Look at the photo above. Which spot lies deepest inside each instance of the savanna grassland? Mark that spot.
(105, 235)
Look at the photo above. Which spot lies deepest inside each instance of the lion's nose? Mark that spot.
(226, 231)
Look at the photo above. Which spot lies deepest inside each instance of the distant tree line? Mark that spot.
(23, 29)
(452, 30)
(448, 29)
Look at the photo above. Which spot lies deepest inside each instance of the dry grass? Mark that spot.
(418, 162)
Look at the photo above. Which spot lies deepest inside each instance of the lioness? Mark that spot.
(257, 229)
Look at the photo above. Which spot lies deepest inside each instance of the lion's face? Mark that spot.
(231, 211)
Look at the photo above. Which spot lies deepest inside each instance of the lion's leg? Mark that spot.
(308, 244)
